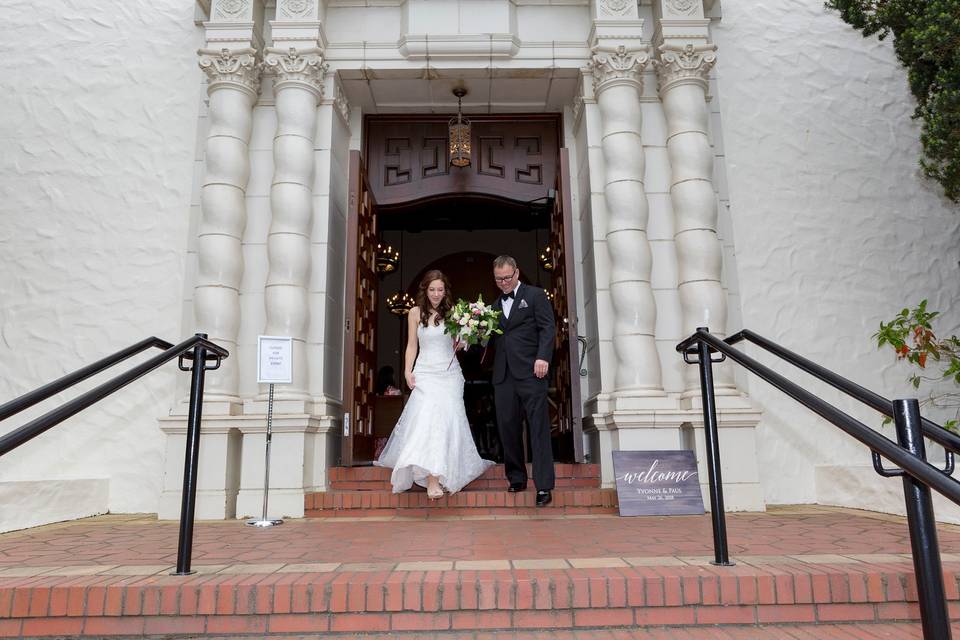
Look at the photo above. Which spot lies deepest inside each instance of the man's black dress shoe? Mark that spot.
(544, 498)
(517, 487)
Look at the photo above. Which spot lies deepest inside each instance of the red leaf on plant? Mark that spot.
(922, 360)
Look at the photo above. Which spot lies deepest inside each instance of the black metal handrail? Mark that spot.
(945, 438)
(909, 453)
(197, 349)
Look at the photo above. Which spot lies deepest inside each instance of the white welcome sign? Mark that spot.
(274, 360)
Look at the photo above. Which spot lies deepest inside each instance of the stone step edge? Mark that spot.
(648, 588)
(256, 625)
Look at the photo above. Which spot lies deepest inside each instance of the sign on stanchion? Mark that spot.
(274, 366)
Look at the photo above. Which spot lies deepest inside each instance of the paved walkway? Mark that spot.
(120, 543)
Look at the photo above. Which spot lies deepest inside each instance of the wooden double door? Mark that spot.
(519, 157)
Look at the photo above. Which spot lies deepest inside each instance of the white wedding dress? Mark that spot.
(432, 436)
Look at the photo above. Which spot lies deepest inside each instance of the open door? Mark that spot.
(567, 370)
(360, 298)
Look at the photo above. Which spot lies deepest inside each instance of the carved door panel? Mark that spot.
(360, 298)
(566, 360)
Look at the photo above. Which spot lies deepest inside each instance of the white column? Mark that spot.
(298, 87)
(617, 83)
(682, 73)
(233, 85)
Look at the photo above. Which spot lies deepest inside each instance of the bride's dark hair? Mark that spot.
(423, 302)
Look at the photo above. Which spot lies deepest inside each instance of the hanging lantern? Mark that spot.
(459, 134)
(387, 259)
(550, 295)
(546, 259)
(400, 303)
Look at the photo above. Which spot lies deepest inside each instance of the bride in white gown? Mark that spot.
(431, 443)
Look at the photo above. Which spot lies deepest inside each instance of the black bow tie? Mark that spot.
(504, 297)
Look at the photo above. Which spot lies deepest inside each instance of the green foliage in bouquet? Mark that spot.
(927, 42)
(911, 335)
(472, 322)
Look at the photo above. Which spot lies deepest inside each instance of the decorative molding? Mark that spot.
(303, 67)
(237, 68)
(296, 9)
(683, 7)
(616, 7)
(690, 63)
(618, 66)
(231, 10)
(341, 104)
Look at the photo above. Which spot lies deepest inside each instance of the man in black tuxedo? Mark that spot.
(520, 366)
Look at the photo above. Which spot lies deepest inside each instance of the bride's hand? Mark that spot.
(411, 380)
(461, 346)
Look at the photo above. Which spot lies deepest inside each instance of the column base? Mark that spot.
(218, 471)
(681, 427)
(303, 448)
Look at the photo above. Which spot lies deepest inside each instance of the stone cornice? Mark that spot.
(301, 67)
(236, 68)
(610, 68)
(690, 63)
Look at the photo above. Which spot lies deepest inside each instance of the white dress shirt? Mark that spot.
(508, 303)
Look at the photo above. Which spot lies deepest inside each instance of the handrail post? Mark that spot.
(925, 549)
(712, 442)
(191, 460)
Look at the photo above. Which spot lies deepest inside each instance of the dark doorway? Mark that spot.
(513, 199)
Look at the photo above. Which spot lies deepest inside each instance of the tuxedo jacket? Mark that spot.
(528, 334)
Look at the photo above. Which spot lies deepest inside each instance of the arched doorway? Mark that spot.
(456, 220)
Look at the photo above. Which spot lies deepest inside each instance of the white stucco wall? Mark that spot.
(835, 228)
(99, 106)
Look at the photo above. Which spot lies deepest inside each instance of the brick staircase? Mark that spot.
(803, 572)
(366, 491)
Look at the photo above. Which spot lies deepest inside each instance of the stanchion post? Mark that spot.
(712, 442)
(191, 460)
(934, 617)
(264, 521)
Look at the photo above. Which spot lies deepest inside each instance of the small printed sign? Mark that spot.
(274, 360)
(657, 483)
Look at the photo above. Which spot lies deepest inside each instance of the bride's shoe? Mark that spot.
(435, 493)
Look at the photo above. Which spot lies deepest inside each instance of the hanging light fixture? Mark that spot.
(387, 259)
(459, 134)
(546, 259)
(400, 302)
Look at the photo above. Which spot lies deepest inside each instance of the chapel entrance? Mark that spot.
(514, 199)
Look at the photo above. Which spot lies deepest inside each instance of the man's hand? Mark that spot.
(540, 368)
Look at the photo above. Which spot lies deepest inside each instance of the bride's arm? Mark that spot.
(410, 355)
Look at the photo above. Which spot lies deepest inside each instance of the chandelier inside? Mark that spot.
(546, 259)
(387, 259)
(459, 134)
(400, 303)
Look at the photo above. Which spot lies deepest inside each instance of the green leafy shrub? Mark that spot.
(911, 335)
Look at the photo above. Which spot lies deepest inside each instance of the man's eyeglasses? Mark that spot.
(505, 278)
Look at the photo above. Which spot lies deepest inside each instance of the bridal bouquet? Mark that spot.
(471, 323)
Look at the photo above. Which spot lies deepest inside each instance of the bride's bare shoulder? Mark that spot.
(414, 313)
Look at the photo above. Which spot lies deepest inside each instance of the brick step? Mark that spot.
(475, 502)
(378, 478)
(352, 601)
(821, 631)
